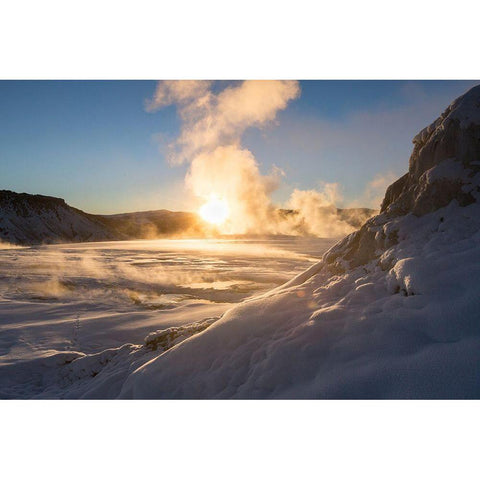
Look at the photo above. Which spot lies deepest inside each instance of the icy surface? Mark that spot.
(85, 298)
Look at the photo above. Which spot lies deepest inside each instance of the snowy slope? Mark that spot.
(392, 311)
(33, 219)
(36, 219)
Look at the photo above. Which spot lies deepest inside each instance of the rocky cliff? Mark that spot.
(444, 167)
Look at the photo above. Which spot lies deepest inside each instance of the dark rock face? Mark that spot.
(444, 167)
(454, 135)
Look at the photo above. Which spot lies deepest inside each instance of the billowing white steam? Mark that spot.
(213, 123)
(317, 214)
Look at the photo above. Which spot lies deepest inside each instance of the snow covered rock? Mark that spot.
(392, 310)
(444, 167)
(444, 162)
(32, 219)
(167, 338)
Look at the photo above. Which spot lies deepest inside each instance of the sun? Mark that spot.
(215, 210)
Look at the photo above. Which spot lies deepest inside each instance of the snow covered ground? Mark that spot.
(391, 311)
(407, 330)
(60, 302)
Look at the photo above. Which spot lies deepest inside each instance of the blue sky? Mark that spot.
(93, 143)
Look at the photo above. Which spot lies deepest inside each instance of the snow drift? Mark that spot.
(392, 310)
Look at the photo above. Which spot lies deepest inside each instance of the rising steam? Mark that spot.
(213, 123)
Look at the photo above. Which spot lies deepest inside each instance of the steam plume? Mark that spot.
(213, 123)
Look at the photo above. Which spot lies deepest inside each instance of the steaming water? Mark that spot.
(154, 274)
(119, 291)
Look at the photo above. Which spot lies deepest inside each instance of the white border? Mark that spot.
(305, 39)
(239, 439)
(225, 40)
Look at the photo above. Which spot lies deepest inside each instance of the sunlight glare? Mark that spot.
(215, 210)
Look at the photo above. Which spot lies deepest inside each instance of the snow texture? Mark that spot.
(85, 298)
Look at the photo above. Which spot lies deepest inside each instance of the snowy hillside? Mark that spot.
(32, 219)
(391, 311)
(35, 219)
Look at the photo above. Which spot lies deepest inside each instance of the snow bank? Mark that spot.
(410, 331)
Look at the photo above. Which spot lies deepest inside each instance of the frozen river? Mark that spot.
(93, 296)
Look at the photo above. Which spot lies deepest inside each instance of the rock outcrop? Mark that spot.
(444, 167)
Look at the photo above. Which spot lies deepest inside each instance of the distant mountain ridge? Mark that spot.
(154, 224)
(30, 219)
(27, 219)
